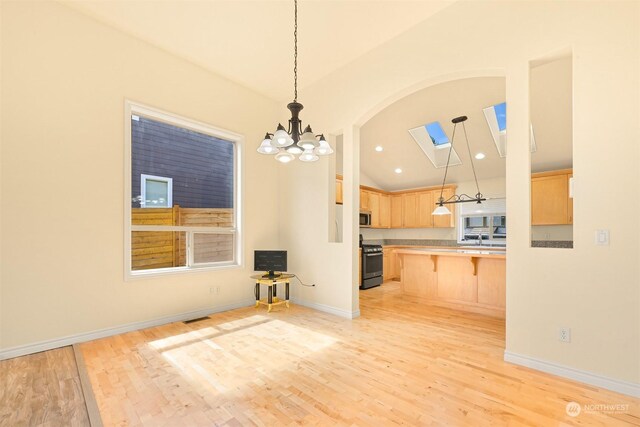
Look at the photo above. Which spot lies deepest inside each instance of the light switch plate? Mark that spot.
(602, 237)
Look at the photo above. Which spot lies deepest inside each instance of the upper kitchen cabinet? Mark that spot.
(551, 203)
(385, 211)
(425, 209)
(364, 200)
(410, 210)
(339, 194)
(396, 211)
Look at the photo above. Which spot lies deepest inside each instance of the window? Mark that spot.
(156, 191)
(438, 137)
(182, 189)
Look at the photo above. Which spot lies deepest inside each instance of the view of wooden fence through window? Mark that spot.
(162, 249)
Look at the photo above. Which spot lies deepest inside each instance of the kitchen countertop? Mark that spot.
(464, 252)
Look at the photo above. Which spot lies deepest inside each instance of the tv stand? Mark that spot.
(271, 275)
(272, 283)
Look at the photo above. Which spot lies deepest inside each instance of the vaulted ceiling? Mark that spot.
(251, 42)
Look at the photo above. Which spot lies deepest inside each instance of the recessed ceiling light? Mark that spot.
(480, 156)
(398, 170)
(379, 148)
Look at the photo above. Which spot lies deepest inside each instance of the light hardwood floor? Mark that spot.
(399, 363)
(42, 389)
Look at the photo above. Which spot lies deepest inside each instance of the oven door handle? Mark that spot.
(378, 254)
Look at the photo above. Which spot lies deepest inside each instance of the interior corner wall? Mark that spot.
(65, 78)
(591, 289)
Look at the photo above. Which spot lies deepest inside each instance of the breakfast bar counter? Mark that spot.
(464, 279)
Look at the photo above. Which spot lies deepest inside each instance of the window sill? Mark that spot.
(145, 274)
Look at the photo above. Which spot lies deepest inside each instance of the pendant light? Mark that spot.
(286, 144)
(441, 209)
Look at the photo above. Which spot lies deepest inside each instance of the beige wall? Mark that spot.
(591, 289)
(64, 81)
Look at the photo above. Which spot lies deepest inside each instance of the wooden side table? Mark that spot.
(272, 285)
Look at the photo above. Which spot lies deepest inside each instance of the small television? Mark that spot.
(270, 262)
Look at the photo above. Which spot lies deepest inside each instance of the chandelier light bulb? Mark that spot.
(324, 149)
(281, 138)
(309, 156)
(266, 147)
(284, 157)
(294, 149)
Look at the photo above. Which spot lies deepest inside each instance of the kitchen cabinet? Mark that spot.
(374, 207)
(570, 206)
(550, 202)
(364, 200)
(385, 211)
(409, 210)
(386, 266)
(339, 194)
(396, 210)
(425, 209)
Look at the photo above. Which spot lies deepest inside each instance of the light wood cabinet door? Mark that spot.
(364, 200)
(385, 211)
(396, 211)
(374, 207)
(456, 280)
(410, 210)
(550, 200)
(492, 282)
(425, 208)
(339, 195)
(444, 221)
(386, 267)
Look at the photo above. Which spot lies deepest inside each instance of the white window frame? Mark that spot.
(143, 190)
(136, 109)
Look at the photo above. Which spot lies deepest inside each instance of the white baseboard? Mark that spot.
(101, 333)
(619, 386)
(327, 309)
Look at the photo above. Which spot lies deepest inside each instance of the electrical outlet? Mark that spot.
(217, 290)
(565, 334)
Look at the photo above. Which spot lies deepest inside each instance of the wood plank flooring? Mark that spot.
(400, 363)
(42, 389)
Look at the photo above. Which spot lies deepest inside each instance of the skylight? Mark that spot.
(496, 116)
(431, 139)
(501, 116)
(438, 137)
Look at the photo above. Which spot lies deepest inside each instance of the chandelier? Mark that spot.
(462, 198)
(286, 144)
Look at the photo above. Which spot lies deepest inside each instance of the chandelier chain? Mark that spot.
(473, 168)
(446, 170)
(295, 51)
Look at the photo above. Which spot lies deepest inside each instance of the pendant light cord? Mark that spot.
(446, 170)
(473, 168)
(295, 51)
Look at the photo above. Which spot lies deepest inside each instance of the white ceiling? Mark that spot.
(442, 103)
(251, 42)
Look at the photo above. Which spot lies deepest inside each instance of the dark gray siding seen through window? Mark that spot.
(200, 165)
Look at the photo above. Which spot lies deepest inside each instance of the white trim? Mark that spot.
(143, 190)
(133, 108)
(107, 332)
(619, 386)
(327, 309)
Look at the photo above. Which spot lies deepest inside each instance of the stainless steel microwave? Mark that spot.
(365, 219)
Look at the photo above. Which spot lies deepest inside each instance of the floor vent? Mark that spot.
(186, 322)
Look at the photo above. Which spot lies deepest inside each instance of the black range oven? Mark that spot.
(371, 266)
